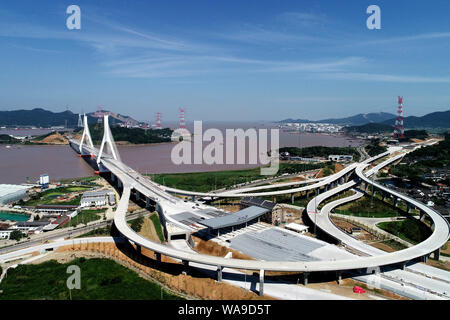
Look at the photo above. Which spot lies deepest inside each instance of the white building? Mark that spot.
(340, 157)
(97, 198)
(5, 234)
(296, 227)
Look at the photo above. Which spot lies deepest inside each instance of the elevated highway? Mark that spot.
(129, 179)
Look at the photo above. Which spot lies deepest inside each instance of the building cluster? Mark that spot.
(314, 127)
(46, 216)
(333, 157)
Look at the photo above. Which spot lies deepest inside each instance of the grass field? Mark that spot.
(101, 279)
(411, 230)
(206, 181)
(364, 207)
(84, 217)
(158, 227)
(50, 196)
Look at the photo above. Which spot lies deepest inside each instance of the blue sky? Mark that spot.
(226, 60)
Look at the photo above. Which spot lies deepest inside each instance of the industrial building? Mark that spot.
(55, 209)
(11, 192)
(340, 157)
(97, 198)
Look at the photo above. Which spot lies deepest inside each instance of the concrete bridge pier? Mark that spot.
(425, 258)
(292, 198)
(395, 201)
(119, 184)
(437, 254)
(219, 273)
(185, 266)
(113, 177)
(138, 249)
(326, 188)
(307, 194)
(193, 198)
(147, 202)
(305, 278)
(158, 256)
(261, 282)
(339, 277)
(137, 195)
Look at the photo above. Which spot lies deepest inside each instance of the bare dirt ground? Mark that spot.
(347, 226)
(439, 264)
(214, 249)
(55, 138)
(148, 230)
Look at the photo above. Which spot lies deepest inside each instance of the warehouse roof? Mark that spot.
(6, 189)
(239, 217)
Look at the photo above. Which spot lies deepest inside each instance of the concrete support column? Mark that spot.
(185, 266)
(138, 248)
(261, 282)
(326, 188)
(339, 277)
(437, 254)
(219, 273)
(119, 183)
(425, 258)
(305, 278)
(395, 201)
(158, 256)
(408, 207)
(147, 202)
(292, 198)
(274, 199)
(137, 195)
(193, 198)
(113, 177)
(307, 194)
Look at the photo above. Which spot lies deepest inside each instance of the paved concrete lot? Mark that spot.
(275, 245)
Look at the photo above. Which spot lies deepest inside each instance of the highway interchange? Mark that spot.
(372, 259)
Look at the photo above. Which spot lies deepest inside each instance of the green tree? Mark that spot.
(16, 235)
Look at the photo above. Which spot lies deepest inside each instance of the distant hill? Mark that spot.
(40, 118)
(361, 119)
(432, 120)
(115, 118)
(355, 120)
(43, 118)
(370, 128)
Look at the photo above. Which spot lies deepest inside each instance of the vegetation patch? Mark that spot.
(84, 217)
(101, 279)
(368, 207)
(136, 224)
(411, 230)
(158, 227)
(206, 181)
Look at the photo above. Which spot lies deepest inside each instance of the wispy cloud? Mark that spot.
(415, 37)
(359, 76)
(302, 19)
